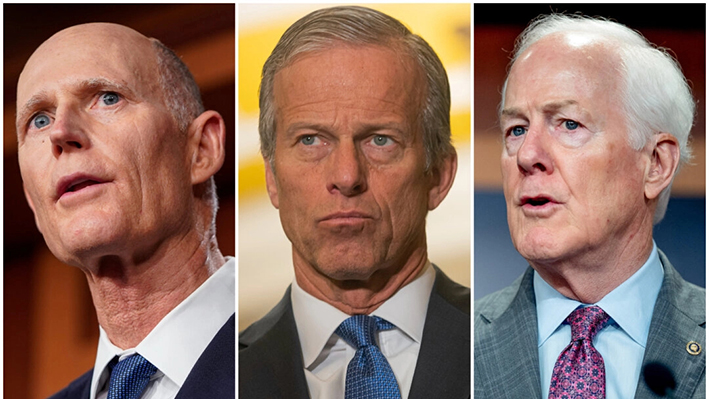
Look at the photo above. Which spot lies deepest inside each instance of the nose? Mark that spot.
(347, 173)
(534, 155)
(67, 133)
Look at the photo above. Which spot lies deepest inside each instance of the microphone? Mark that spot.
(659, 379)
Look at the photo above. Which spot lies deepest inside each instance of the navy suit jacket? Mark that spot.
(212, 377)
(507, 355)
(271, 362)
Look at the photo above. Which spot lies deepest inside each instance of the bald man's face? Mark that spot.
(103, 165)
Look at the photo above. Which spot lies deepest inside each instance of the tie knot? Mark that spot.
(359, 330)
(129, 377)
(587, 322)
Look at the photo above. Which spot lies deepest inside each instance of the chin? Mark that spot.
(536, 246)
(83, 241)
(344, 270)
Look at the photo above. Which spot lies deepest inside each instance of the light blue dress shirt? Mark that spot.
(621, 343)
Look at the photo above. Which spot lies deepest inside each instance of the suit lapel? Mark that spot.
(440, 368)
(271, 364)
(678, 318)
(212, 376)
(507, 336)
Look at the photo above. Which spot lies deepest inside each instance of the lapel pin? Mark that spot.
(693, 348)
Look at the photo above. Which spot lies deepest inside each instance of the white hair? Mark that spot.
(656, 95)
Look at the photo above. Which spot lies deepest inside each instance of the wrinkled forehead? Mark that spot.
(584, 58)
(90, 51)
(583, 51)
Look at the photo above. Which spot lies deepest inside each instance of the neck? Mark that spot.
(360, 296)
(132, 296)
(589, 277)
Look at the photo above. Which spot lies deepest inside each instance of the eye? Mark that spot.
(380, 140)
(307, 140)
(40, 121)
(518, 131)
(571, 125)
(110, 98)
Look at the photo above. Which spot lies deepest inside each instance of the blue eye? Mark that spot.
(41, 121)
(518, 131)
(110, 98)
(308, 140)
(571, 125)
(380, 141)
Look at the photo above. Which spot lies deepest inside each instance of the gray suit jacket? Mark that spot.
(271, 362)
(507, 357)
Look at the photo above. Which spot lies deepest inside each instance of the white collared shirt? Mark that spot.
(326, 355)
(621, 343)
(177, 342)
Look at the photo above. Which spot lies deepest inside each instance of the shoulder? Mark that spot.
(77, 389)
(453, 293)
(258, 329)
(492, 306)
(683, 295)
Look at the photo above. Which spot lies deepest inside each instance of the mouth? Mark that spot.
(75, 183)
(341, 216)
(535, 201)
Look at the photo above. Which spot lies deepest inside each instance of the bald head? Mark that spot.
(110, 130)
(156, 69)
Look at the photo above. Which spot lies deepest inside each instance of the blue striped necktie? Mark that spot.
(130, 377)
(369, 375)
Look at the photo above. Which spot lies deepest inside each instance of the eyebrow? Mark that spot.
(43, 97)
(546, 108)
(319, 127)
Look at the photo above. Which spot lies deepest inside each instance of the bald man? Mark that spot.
(117, 157)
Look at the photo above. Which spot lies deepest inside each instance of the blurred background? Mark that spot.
(679, 27)
(50, 328)
(265, 266)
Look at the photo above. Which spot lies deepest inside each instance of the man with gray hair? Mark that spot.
(355, 136)
(117, 156)
(595, 122)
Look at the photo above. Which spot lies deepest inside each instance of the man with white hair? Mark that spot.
(595, 123)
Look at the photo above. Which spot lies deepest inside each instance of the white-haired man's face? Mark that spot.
(572, 183)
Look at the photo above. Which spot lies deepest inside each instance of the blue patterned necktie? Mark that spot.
(369, 375)
(130, 377)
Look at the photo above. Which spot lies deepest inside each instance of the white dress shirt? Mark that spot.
(177, 342)
(326, 355)
(621, 343)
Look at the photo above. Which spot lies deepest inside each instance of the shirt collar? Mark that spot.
(188, 328)
(317, 320)
(630, 305)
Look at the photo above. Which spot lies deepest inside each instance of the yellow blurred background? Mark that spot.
(265, 266)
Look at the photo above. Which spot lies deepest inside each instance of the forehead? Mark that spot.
(564, 67)
(93, 51)
(350, 73)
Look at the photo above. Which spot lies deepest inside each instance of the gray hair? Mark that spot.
(184, 101)
(353, 25)
(656, 95)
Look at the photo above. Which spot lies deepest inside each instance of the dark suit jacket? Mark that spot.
(212, 377)
(507, 357)
(271, 363)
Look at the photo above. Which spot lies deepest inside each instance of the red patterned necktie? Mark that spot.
(579, 372)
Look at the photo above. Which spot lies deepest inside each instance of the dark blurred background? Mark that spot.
(50, 328)
(679, 27)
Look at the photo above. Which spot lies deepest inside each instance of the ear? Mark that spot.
(663, 164)
(271, 185)
(206, 140)
(442, 180)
